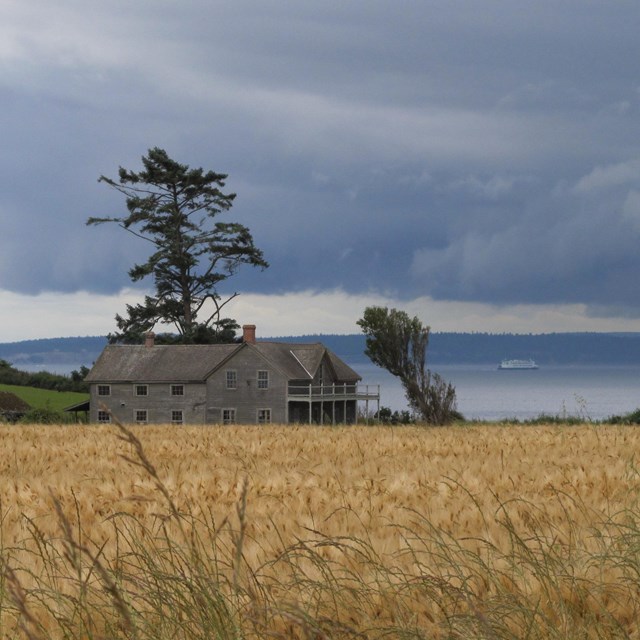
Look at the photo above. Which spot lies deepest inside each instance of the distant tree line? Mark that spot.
(487, 348)
(43, 379)
(547, 348)
(444, 348)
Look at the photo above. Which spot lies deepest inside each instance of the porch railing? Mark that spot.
(336, 391)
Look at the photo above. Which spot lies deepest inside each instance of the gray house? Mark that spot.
(247, 383)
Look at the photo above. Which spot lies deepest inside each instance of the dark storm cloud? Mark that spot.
(478, 151)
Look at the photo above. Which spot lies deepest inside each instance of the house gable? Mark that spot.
(247, 383)
(325, 372)
(260, 353)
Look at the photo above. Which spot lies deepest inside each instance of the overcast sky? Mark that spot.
(476, 162)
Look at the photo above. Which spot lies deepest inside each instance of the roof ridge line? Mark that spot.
(300, 363)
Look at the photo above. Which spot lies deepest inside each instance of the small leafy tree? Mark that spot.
(174, 208)
(399, 344)
(78, 376)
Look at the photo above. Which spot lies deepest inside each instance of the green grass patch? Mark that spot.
(44, 398)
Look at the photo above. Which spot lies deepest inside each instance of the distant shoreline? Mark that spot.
(444, 348)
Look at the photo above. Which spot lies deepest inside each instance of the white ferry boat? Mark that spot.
(517, 364)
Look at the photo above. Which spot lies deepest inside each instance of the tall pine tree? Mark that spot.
(175, 209)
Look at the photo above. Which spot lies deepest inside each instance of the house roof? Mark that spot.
(84, 405)
(160, 363)
(342, 369)
(194, 363)
(301, 361)
(11, 402)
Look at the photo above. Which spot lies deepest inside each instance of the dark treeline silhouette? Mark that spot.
(487, 348)
(549, 348)
(444, 348)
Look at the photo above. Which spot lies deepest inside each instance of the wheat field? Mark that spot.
(485, 531)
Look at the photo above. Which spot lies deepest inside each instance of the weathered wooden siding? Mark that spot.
(205, 402)
(323, 374)
(159, 403)
(246, 399)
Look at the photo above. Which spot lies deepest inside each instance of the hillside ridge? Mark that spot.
(444, 348)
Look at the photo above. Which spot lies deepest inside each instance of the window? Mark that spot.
(141, 416)
(141, 390)
(177, 389)
(228, 416)
(264, 416)
(104, 389)
(177, 417)
(232, 379)
(263, 379)
(104, 416)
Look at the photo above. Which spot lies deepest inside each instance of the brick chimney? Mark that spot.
(149, 339)
(249, 333)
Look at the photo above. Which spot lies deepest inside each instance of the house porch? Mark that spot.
(330, 403)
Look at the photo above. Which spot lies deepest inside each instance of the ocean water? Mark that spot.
(486, 393)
